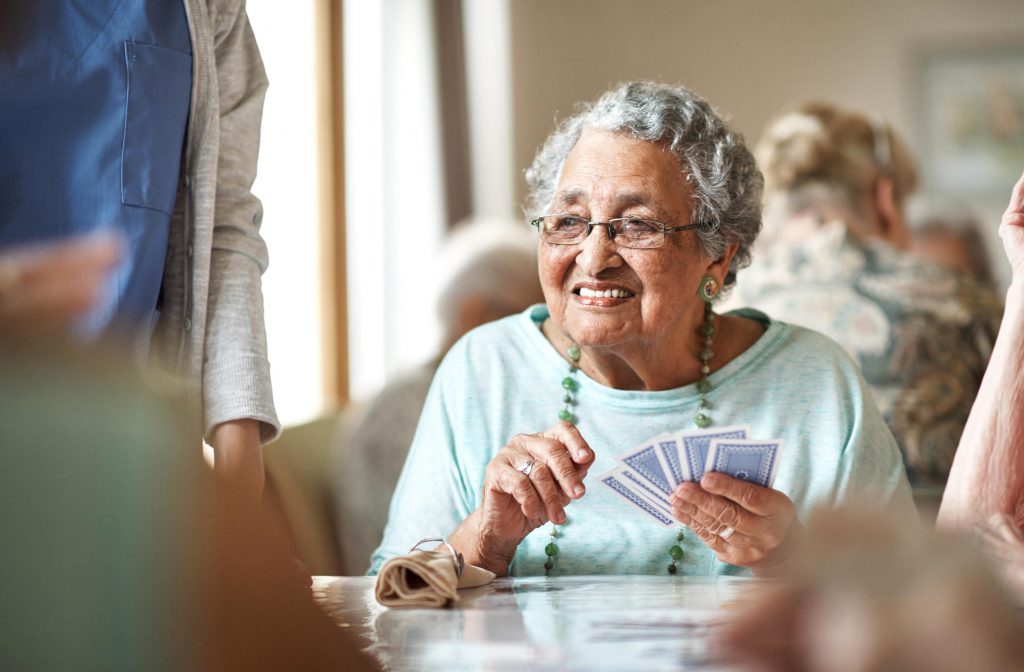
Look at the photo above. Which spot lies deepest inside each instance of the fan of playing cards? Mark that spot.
(651, 471)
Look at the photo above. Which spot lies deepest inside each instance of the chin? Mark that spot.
(596, 332)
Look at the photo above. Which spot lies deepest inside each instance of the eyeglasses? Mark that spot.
(641, 234)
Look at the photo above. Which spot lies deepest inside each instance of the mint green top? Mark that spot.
(503, 379)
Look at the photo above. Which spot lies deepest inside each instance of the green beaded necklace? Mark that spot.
(570, 385)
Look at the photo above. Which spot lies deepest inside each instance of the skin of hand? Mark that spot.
(764, 521)
(987, 476)
(867, 594)
(515, 504)
(238, 458)
(1011, 231)
(44, 288)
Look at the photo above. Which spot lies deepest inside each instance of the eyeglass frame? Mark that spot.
(612, 234)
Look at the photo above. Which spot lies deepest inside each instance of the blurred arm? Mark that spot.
(988, 472)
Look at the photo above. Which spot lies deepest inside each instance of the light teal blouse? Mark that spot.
(503, 379)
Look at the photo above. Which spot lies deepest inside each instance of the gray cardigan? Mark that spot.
(210, 329)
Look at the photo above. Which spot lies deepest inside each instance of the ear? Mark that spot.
(892, 227)
(719, 267)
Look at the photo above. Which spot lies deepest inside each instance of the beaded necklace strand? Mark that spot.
(570, 385)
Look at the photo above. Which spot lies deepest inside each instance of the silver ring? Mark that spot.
(726, 533)
(527, 468)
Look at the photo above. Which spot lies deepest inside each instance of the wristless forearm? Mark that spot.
(988, 472)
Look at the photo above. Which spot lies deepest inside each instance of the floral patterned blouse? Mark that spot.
(922, 334)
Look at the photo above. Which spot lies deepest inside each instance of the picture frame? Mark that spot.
(970, 115)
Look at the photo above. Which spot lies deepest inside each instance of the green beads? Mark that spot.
(702, 420)
(551, 550)
(704, 386)
(676, 553)
(570, 385)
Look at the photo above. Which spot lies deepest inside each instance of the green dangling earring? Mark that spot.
(707, 291)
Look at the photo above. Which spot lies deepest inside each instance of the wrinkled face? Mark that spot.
(651, 293)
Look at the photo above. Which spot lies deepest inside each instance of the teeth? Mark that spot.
(604, 294)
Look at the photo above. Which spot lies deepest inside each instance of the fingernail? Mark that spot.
(578, 491)
(582, 454)
(560, 518)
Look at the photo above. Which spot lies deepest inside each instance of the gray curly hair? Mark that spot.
(727, 184)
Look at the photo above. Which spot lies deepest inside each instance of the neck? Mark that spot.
(671, 363)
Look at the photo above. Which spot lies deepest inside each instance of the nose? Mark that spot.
(598, 252)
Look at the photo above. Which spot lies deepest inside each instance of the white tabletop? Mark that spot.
(538, 623)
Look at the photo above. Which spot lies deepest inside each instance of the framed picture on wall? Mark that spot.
(971, 119)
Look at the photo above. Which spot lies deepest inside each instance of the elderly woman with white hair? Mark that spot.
(646, 204)
(835, 258)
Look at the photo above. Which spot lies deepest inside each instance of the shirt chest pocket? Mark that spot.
(159, 88)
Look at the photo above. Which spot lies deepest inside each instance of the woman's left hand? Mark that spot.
(763, 523)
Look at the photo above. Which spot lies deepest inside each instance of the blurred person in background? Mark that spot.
(947, 233)
(874, 595)
(487, 270)
(834, 258)
(129, 133)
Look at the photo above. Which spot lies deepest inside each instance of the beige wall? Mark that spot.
(750, 59)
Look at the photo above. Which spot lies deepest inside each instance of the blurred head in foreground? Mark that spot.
(873, 595)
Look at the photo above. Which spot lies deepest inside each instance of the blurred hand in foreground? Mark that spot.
(44, 288)
(870, 596)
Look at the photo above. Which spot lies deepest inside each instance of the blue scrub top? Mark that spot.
(94, 100)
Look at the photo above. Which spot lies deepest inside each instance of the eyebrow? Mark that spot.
(622, 199)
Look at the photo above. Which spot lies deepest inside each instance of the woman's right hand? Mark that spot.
(1011, 230)
(517, 500)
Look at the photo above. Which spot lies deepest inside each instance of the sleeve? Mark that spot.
(433, 496)
(871, 470)
(236, 379)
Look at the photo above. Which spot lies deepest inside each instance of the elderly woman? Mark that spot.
(835, 258)
(646, 205)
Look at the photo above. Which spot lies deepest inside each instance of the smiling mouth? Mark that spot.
(587, 293)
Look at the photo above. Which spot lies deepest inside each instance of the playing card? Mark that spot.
(693, 448)
(645, 461)
(754, 461)
(614, 482)
(668, 449)
(641, 487)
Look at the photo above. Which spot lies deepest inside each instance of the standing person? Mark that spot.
(834, 258)
(142, 118)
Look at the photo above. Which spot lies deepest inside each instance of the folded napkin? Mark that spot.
(427, 578)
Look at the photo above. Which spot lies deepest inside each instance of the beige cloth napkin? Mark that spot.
(426, 579)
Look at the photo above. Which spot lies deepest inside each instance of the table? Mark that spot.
(542, 623)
